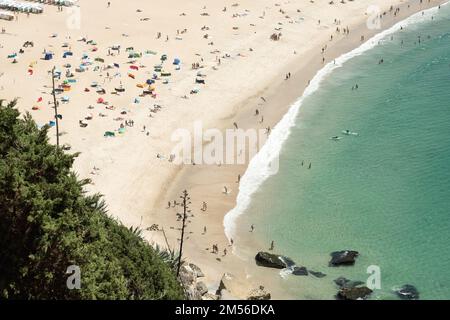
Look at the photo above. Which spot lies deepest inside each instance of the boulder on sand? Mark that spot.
(346, 257)
(269, 260)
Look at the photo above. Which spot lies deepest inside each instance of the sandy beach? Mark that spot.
(227, 46)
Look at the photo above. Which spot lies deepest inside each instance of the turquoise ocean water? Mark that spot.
(385, 192)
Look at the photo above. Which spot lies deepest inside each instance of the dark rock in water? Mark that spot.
(288, 261)
(270, 260)
(300, 271)
(354, 293)
(346, 257)
(408, 292)
(346, 283)
(317, 274)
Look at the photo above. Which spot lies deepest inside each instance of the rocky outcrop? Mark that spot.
(269, 260)
(194, 290)
(355, 293)
(259, 294)
(197, 270)
(201, 288)
(407, 292)
(346, 257)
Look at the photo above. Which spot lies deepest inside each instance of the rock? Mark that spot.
(197, 270)
(355, 293)
(346, 283)
(210, 296)
(187, 276)
(201, 288)
(300, 271)
(318, 274)
(259, 294)
(270, 260)
(233, 288)
(408, 292)
(346, 257)
(192, 293)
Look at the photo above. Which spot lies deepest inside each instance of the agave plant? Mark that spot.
(169, 256)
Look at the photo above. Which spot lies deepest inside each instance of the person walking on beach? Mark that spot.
(238, 178)
(204, 206)
(204, 230)
(224, 252)
(272, 245)
(252, 228)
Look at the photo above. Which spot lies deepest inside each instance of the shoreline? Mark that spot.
(187, 175)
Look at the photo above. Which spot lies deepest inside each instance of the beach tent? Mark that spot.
(150, 81)
(48, 56)
(109, 134)
(67, 54)
(134, 68)
(176, 61)
(116, 65)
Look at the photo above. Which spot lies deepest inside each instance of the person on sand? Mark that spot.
(204, 230)
(238, 178)
(224, 252)
(272, 245)
(231, 242)
(204, 206)
(169, 205)
(109, 4)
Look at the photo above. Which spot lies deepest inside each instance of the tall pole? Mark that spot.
(55, 103)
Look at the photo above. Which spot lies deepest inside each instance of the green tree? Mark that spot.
(48, 223)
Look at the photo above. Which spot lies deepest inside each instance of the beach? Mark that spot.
(243, 70)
